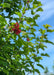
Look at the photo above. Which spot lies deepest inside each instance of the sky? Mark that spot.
(47, 17)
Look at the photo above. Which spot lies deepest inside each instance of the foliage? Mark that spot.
(47, 72)
(18, 57)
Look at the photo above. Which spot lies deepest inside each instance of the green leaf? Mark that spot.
(42, 31)
(19, 14)
(42, 54)
(49, 30)
(34, 6)
(46, 26)
(42, 46)
(40, 66)
(39, 9)
(33, 30)
(38, 3)
(37, 70)
(2, 20)
(47, 41)
(32, 12)
(26, 69)
(6, 71)
(2, 58)
(29, 20)
(5, 5)
(36, 16)
(37, 59)
(23, 10)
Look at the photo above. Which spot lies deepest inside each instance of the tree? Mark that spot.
(19, 57)
(46, 71)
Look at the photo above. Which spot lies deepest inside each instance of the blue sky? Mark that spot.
(47, 17)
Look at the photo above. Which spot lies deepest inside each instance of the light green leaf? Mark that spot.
(5, 5)
(39, 9)
(19, 14)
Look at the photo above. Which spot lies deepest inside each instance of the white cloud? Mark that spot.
(48, 7)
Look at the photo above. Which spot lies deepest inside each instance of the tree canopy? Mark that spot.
(18, 52)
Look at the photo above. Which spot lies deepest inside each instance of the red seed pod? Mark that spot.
(27, 39)
(28, 1)
(16, 28)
